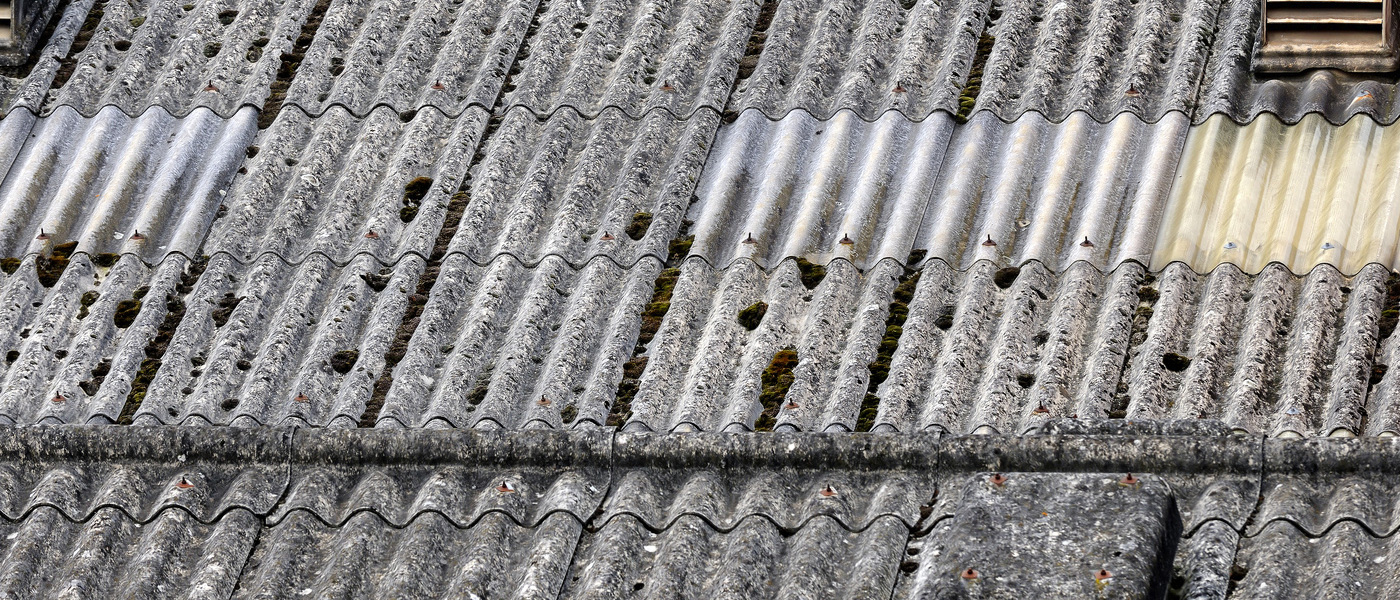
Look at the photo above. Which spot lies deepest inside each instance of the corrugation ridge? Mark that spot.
(1256, 530)
(272, 521)
(154, 513)
(662, 527)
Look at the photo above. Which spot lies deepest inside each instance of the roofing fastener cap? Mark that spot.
(970, 573)
(998, 479)
(847, 241)
(828, 491)
(211, 87)
(57, 398)
(372, 235)
(1132, 92)
(989, 241)
(791, 405)
(543, 401)
(505, 488)
(136, 235)
(1102, 574)
(437, 85)
(301, 398)
(1086, 243)
(666, 87)
(750, 240)
(899, 89)
(1129, 480)
(183, 483)
(42, 235)
(1040, 409)
(607, 237)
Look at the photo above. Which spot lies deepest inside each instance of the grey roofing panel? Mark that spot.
(321, 185)
(101, 180)
(1314, 485)
(559, 185)
(409, 55)
(1042, 536)
(258, 343)
(1055, 58)
(141, 473)
(756, 559)
(788, 479)
(677, 57)
(863, 55)
(865, 191)
(1204, 560)
(1348, 562)
(29, 85)
(508, 345)
(460, 475)
(1231, 87)
(428, 558)
(156, 53)
(109, 555)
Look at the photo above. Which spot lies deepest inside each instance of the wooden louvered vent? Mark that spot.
(1352, 35)
(7, 20)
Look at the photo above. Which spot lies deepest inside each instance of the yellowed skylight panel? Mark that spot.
(1300, 195)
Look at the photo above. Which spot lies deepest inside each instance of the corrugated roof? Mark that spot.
(868, 191)
(1300, 195)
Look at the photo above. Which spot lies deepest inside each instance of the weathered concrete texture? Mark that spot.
(562, 185)
(507, 345)
(756, 559)
(675, 56)
(866, 56)
(1037, 535)
(219, 54)
(100, 181)
(443, 54)
(1315, 484)
(1283, 562)
(335, 185)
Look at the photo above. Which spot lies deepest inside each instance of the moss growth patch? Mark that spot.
(880, 367)
(811, 274)
(156, 347)
(967, 99)
(413, 193)
(641, 222)
(291, 61)
(126, 313)
(777, 379)
(50, 268)
(69, 64)
(224, 309)
(89, 297)
(753, 49)
(105, 259)
(9, 265)
(98, 374)
(212, 49)
(1390, 310)
(752, 315)
(344, 360)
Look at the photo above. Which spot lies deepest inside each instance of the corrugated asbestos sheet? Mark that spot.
(1300, 195)
(100, 181)
(1051, 192)
(860, 55)
(217, 54)
(675, 56)
(447, 54)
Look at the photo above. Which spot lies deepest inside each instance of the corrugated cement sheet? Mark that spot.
(1004, 349)
(409, 55)
(1302, 195)
(99, 181)
(670, 55)
(218, 54)
(864, 191)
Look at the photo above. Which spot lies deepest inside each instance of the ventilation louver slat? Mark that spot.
(1352, 35)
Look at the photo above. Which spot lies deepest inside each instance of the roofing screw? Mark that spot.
(828, 491)
(1132, 92)
(57, 398)
(899, 89)
(847, 241)
(666, 87)
(989, 241)
(1129, 480)
(437, 85)
(607, 237)
(183, 483)
(543, 401)
(505, 487)
(970, 574)
(1327, 246)
(42, 235)
(749, 240)
(372, 235)
(998, 479)
(1101, 575)
(1040, 409)
(1230, 245)
(1086, 243)
(1364, 96)
(136, 236)
(301, 398)
(791, 405)
(211, 87)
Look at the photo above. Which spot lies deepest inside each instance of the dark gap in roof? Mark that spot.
(291, 61)
(1142, 316)
(80, 42)
(967, 99)
(50, 268)
(155, 348)
(894, 328)
(621, 410)
(456, 207)
(1390, 312)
